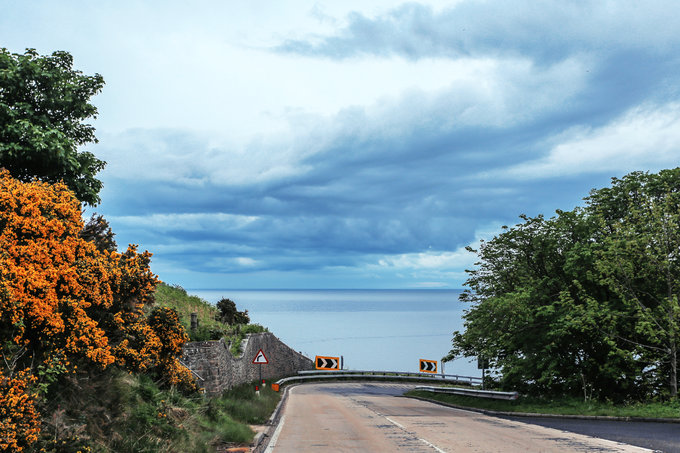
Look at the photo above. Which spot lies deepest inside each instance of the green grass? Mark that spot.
(176, 297)
(209, 327)
(563, 406)
(113, 411)
(157, 420)
(243, 404)
(127, 413)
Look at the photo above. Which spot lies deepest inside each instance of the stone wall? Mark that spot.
(217, 369)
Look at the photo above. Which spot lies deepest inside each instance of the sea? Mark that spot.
(382, 330)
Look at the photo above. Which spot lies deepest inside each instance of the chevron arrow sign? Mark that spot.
(327, 363)
(428, 366)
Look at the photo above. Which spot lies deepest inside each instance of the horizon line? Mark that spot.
(324, 289)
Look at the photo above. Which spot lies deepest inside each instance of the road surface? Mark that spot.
(663, 437)
(356, 417)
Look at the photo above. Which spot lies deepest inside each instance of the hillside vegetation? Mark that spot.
(210, 319)
(89, 358)
(91, 340)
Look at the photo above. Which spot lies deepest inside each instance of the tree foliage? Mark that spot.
(229, 314)
(44, 104)
(641, 261)
(67, 305)
(98, 231)
(585, 302)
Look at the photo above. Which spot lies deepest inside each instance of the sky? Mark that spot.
(357, 144)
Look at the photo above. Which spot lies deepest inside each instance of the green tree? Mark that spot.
(229, 314)
(227, 308)
(44, 104)
(541, 314)
(586, 301)
(640, 260)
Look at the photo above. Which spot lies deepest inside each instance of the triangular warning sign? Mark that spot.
(260, 358)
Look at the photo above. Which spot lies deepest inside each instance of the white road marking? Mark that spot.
(275, 437)
(400, 426)
(394, 423)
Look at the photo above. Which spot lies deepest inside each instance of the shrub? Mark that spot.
(19, 423)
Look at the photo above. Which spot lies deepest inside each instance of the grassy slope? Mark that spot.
(176, 297)
(157, 420)
(209, 328)
(120, 412)
(566, 406)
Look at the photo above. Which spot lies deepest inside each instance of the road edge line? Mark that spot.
(276, 419)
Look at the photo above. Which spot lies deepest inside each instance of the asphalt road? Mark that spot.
(656, 436)
(356, 417)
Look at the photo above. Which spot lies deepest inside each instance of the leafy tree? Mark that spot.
(229, 314)
(227, 308)
(44, 104)
(242, 317)
(586, 301)
(534, 316)
(641, 261)
(98, 231)
(542, 313)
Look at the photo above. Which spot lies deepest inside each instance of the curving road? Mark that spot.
(355, 417)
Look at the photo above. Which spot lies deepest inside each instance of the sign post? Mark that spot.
(260, 359)
(482, 364)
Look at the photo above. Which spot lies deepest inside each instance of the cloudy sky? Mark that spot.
(357, 144)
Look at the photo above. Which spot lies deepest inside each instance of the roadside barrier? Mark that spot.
(450, 377)
(311, 375)
(471, 392)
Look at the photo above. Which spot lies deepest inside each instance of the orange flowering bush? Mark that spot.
(19, 423)
(172, 335)
(135, 345)
(65, 302)
(49, 278)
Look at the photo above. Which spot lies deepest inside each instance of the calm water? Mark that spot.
(372, 329)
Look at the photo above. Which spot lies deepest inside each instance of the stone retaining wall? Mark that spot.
(216, 369)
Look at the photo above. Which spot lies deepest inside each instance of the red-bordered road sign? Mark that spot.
(260, 358)
(327, 363)
(428, 366)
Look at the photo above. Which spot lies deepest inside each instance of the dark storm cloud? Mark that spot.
(546, 32)
(359, 198)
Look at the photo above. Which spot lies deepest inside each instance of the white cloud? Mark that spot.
(646, 137)
(244, 261)
(443, 261)
(464, 93)
(427, 260)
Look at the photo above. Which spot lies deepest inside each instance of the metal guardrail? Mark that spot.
(377, 375)
(471, 392)
(440, 377)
